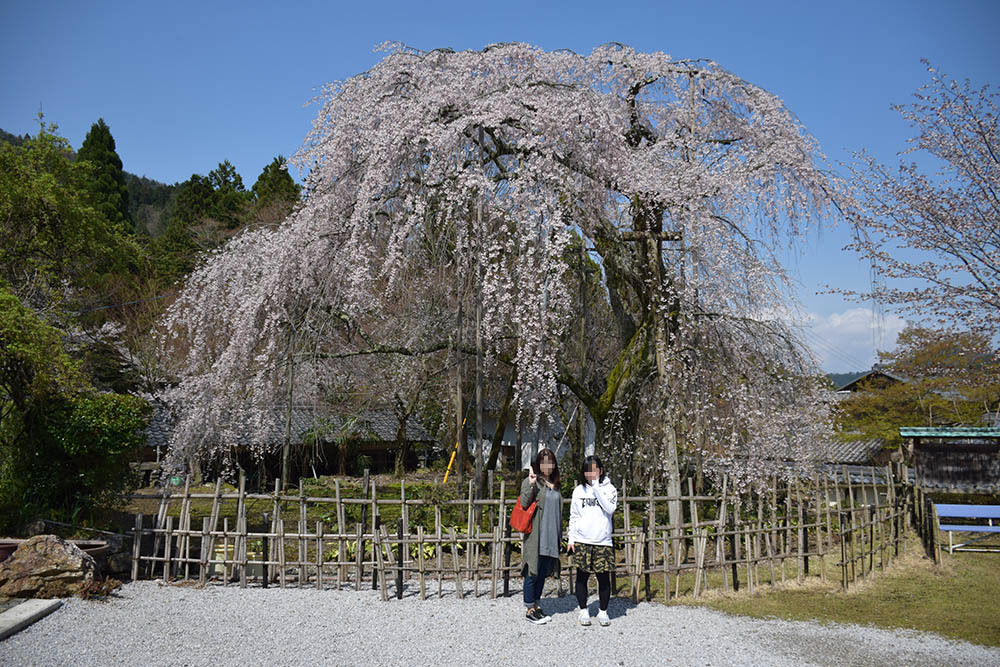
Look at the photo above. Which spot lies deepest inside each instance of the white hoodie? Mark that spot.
(590, 513)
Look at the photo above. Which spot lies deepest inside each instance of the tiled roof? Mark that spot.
(859, 474)
(875, 372)
(371, 425)
(858, 452)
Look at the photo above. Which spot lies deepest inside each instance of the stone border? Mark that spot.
(24, 614)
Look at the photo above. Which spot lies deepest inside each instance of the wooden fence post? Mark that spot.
(136, 547)
(399, 559)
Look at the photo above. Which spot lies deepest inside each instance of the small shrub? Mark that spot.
(99, 589)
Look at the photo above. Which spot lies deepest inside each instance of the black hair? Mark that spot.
(592, 460)
(536, 465)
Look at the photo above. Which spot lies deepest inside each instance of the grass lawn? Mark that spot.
(957, 599)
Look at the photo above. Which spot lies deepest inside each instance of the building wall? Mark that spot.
(549, 435)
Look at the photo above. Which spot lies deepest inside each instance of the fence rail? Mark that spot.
(722, 541)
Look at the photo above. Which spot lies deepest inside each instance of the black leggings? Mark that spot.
(603, 588)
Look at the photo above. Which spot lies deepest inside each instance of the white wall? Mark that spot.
(549, 435)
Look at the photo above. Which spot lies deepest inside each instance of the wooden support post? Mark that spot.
(242, 531)
(303, 527)
(639, 565)
(378, 568)
(820, 538)
(359, 553)
(734, 540)
(720, 539)
(696, 538)
(166, 548)
(319, 555)
(701, 545)
(213, 520)
(802, 560)
(645, 556)
(403, 511)
(136, 547)
(281, 552)
(420, 561)
(341, 544)
(158, 526)
(456, 564)
(376, 527)
(495, 551)
(399, 558)
(203, 553)
(843, 552)
(666, 566)
(376, 523)
(469, 525)
(787, 546)
(184, 539)
(854, 571)
(750, 561)
(265, 552)
(506, 562)
(439, 549)
(829, 520)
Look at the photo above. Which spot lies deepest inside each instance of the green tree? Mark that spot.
(64, 447)
(230, 198)
(946, 378)
(194, 201)
(275, 190)
(52, 237)
(107, 180)
(34, 367)
(63, 265)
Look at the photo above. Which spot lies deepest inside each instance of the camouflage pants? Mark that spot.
(594, 557)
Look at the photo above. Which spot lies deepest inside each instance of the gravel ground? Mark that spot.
(152, 624)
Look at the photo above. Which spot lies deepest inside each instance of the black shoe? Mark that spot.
(536, 616)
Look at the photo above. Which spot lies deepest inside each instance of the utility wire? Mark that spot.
(825, 345)
(126, 303)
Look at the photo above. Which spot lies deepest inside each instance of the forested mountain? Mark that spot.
(148, 204)
(148, 199)
(13, 138)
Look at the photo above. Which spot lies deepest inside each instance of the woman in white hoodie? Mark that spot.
(594, 501)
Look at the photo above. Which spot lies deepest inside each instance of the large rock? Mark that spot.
(46, 566)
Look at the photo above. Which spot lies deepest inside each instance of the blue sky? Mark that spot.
(185, 85)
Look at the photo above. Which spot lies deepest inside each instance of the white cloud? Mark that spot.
(848, 341)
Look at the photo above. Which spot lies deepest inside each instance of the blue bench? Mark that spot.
(988, 517)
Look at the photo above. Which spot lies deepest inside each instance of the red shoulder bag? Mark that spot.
(520, 517)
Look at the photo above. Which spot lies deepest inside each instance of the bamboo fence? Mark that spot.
(852, 524)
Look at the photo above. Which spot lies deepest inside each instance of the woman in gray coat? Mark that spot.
(540, 550)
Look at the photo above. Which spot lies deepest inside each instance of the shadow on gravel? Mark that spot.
(617, 608)
(551, 604)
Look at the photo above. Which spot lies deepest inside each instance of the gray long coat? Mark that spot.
(529, 548)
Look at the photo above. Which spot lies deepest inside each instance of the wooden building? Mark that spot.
(322, 443)
(960, 459)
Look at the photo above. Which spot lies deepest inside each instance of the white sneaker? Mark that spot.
(602, 618)
(584, 617)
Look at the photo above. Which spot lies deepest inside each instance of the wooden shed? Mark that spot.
(960, 459)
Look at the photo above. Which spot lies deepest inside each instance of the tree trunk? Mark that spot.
(500, 429)
(402, 447)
